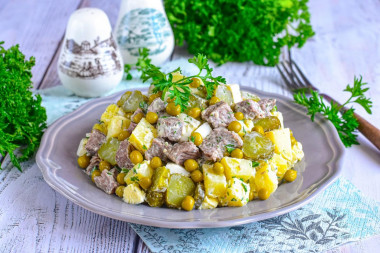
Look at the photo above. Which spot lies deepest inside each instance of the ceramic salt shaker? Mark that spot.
(144, 23)
(90, 63)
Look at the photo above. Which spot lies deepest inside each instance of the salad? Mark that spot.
(224, 151)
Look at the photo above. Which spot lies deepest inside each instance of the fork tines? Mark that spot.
(293, 76)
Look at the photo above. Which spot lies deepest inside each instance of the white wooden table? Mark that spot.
(34, 218)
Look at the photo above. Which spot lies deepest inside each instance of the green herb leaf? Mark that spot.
(135, 179)
(22, 118)
(230, 148)
(254, 164)
(244, 30)
(344, 120)
(178, 90)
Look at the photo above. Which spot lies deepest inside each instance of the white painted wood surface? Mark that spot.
(34, 218)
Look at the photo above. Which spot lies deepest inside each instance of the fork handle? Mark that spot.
(367, 129)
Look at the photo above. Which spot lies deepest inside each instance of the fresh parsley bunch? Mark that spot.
(344, 120)
(22, 118)
(239, 30)
(178, 90)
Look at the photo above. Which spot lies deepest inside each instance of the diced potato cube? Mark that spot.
(143, 135)
(266, 178)
(160, 179)
(281, 140)
(224, 94)
(253, 192)
(139, 171)
(235, 92)
(215, 184)
(246, 126)
(179, 187)
(209, 203)
(204, 130)
(175, 168)
(297, 151)
(101, 127)
(281, 164)
(280, 117)
(177, 76)
(133, 194)
(239, 168)
(111, 111)
(189, 125)
(237, 192)
(81, 148)
(117, 125)
(247, 95)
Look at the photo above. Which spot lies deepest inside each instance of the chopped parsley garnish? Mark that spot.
(233, 199)
(144, 147)
(255, 164)
(230, 148)
(135, 179)
(245, 187)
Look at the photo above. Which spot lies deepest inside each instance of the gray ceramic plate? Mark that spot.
(56, 158)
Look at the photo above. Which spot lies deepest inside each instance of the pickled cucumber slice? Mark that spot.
(199, 195)
(179, 187)
(131, 101)
(107, 151)
(155, 199)
(269, 123)
(160, 179)
(257, 147)
(196, 101)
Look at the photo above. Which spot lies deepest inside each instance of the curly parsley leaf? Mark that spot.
(344, 121)
(22, 118)
(178, 90)
(244, 30)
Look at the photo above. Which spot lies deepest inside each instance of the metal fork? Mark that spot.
(295, 80)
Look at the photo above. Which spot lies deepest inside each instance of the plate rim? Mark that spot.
(336, 162)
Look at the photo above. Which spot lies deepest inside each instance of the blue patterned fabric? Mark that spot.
(339, 215)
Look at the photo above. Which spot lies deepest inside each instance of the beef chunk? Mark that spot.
(107, 181)
(94, 162)
(180, 152)
(96, 140)
(131, 127)
(158, 106)
(170, 128)
(267, 105)
(219, 115)
(214, 145)
(158, 148)
(250, 109)
(122, 155)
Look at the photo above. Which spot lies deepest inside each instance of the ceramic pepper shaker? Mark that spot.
(90, 63)
(143, 23)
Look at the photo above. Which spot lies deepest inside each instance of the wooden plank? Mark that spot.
(38, 26)
(111, 8)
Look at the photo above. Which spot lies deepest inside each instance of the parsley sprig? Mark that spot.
(344, 120)
(244, 30)
(178, 90)
(22, 118)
